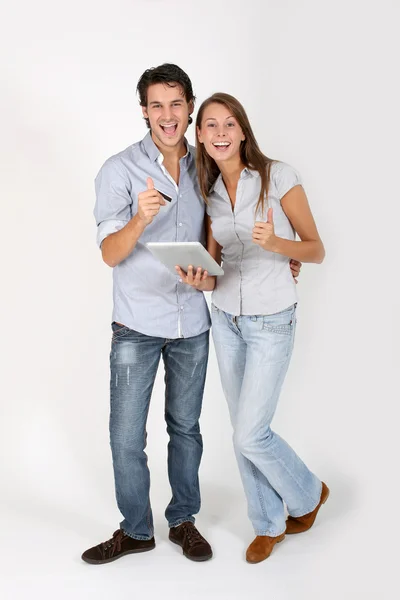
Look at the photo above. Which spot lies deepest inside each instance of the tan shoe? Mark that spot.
(300, 524)
(261, 547)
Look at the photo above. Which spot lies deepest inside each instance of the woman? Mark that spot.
(255, 208)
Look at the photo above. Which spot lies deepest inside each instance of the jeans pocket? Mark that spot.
(281, 323)
(118, 330)
(278, 333)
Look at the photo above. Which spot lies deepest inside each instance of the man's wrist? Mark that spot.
(139, 222)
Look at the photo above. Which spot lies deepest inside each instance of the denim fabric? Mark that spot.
(253, 355)
(134, 359)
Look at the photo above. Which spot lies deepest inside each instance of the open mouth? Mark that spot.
(169, 130)
(221, 146)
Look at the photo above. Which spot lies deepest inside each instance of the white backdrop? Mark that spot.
(318, 80)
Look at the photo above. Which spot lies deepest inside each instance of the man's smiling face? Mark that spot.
(168, 112)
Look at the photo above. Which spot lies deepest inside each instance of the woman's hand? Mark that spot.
(264, 236)
(264, 233)
(295, 267)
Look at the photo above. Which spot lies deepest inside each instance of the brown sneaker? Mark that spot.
(193, 544)
(300, 524)
(261, 547)
(119, 545)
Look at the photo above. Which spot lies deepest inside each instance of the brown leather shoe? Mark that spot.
(261, 547)
(119, 545)
(194, 546)
(300, 524)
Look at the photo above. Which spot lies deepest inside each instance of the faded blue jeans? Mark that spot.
(253, 355)
(134, 360)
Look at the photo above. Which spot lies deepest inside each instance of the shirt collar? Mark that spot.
(218, 184)
(249, 173)
(154, 153)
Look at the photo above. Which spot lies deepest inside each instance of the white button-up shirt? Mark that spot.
(256, 281)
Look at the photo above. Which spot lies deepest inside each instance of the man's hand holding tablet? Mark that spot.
(198, 279)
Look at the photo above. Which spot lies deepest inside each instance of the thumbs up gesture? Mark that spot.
(264, 233)
(149, 203)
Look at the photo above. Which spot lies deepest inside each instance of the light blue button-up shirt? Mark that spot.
(147, 296)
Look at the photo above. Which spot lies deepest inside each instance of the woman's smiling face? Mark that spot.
(220, 133)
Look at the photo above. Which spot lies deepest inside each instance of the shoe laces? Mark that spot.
(113, 544)
(192, 535)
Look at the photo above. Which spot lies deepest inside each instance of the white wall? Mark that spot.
(319, 82)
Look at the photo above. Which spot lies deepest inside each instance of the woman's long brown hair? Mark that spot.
(250, 153)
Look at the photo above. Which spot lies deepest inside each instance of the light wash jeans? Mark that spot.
(134, 360)
(253, 355)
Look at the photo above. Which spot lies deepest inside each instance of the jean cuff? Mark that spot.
(180, 521)
(269, 533)
(137, 537)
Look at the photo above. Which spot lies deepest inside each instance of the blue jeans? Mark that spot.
(253, 355)
(134, 359)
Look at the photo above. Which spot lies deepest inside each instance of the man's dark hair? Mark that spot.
(168, 74)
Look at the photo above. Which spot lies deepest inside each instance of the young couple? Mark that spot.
(255, 206)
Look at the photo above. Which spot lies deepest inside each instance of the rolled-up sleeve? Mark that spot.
(113, 208)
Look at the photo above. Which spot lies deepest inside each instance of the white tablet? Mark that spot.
(184, 254)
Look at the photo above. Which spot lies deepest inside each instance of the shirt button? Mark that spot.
(180, 224)
(180, 281)
(181, 307)
(180, 195)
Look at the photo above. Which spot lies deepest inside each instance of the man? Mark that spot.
(149, 192)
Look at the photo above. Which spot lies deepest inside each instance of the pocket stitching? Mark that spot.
(120, 332)
(285, 329)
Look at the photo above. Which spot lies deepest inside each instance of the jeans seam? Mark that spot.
(296, 514)
(148, 518)
(282, 463)
(260, 498)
